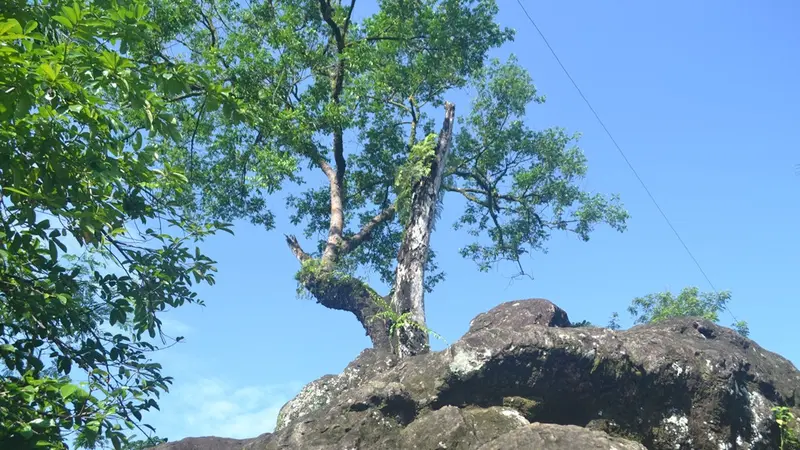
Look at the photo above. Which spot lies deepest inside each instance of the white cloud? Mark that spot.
(212, 407)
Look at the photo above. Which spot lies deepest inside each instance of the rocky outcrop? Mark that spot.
(522, 378)
(209, 443)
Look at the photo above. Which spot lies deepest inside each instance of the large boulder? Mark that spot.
(319, 393)
(535, 311)
(522, 377)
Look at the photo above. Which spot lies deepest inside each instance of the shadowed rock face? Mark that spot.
(523, 378)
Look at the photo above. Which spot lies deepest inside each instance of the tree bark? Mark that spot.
(344, 293)
(336, 228)
(409, 290)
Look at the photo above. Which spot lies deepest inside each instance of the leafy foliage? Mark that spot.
(787, 424)
(86, 258)
(519, 184)
(690, 302)
(613, 322)
(316, 90)
(144, 444)
(414, 169)
(399, 321)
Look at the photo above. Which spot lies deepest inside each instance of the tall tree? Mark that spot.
(690, 302)
(319, 94)
(76, 323)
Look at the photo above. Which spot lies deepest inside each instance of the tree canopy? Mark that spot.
(690, 302)
(339, 102)
(90, 247)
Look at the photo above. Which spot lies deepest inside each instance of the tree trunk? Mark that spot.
(343, 293)
(409, 291)
(347, 293)
(352, 294)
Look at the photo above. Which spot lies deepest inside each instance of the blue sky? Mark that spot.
(703, 98)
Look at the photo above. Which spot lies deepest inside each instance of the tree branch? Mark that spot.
(468, 194)
(349, 16)
(209, 24)
(478, 179)
(296, 249)
(186, 95)
(325, 166)
(391, 38)
(366, 231)
(327, 15)
(337, 182)
(491, 206)
(200, 114)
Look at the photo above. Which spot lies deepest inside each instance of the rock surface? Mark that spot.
(521, 377)
(207, 443)
(559, 437)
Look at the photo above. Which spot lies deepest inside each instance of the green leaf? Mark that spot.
(70, 13)
(53, 250)
(23, 106)
(20, 191)
(137, 141)
(68, 390)
(48, 71)
(10, 26)
(174, 133)
(30, 26)
(64, 21)
(212, 103)
(228, 109)
(150, 118)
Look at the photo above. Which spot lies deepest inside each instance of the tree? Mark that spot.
(87, 260)
(314, 95)
(613, 322)
(689, 303)
(144, 444)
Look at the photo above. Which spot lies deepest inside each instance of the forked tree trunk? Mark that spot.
(409, 289)
(346, 293)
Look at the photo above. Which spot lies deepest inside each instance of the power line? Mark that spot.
(622, 153)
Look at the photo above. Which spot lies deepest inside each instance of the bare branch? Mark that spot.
(468, 194)
(482, 182)
(209, 24)
(129, 136)
(349, 16)
(366, 231)
(296, 249)
(185, 96)
(200, 114)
